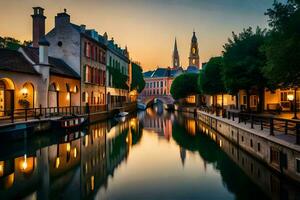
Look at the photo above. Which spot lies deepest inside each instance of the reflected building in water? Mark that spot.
(160, 124)
(81, 163)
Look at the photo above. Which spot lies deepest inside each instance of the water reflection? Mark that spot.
(156, 155)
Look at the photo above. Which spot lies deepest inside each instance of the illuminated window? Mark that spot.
(194, 50)
(85, 97)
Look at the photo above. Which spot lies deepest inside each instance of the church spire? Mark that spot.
(175, 59)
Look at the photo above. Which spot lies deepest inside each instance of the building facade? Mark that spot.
(85, 51)
(30, 78)
(117, 73)
(159, 81)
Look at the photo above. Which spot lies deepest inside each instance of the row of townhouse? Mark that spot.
(277, 100)
(68, 66)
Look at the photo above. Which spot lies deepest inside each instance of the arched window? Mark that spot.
(85, 97)
(194, 50)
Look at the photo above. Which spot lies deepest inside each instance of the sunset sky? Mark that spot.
(147, 27)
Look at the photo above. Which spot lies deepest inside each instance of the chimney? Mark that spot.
(62, 19)
(82, 28)
(43, 51)
(38, 29)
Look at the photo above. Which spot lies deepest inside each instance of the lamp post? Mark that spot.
(293, 98)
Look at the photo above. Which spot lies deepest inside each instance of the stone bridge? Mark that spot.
(148, 100)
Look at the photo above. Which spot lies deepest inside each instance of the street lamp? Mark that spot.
(292, 97)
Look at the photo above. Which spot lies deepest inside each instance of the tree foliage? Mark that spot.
(243, 60)
(184, 85)
(210, 80)
(282, 48)
(138, 82)
(12, 43)
(119, 80)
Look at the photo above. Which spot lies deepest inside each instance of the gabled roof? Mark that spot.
(162, 72)
(57, 66)
(148, 74)
(12, 60)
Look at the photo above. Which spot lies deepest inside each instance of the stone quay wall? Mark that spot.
(278, 154)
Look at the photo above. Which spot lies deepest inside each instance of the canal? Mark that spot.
(150, 155)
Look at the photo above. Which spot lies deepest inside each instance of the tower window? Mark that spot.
(194, 50)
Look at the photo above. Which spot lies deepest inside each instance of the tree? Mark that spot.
(210, 80)
(243, 63)
(12, 43)
(138, 82)
(184, 85)
(282, 48)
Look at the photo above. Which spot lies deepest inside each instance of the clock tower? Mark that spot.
(194, 59)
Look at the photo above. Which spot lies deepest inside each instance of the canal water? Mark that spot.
(151, 155)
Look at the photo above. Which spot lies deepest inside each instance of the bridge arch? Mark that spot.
(149, 100)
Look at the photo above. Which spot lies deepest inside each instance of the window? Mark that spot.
(194, 50)
(274, 156)
(87, 73)
(253, 100)
(85, 97)
(258, 147)
(87, 49)
(244, 100)
(298, 165)
(251, 143)
(161, 84)
(59, 44)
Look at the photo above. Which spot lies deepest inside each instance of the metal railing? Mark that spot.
(49, 112)
(255, 121)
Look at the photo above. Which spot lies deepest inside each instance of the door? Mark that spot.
(2, 105)
(53, 99)
(9, 103)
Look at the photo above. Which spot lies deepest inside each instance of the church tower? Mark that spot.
(176, 61)
(194, 59)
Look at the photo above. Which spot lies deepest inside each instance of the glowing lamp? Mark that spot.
(290, 97)
(24, 164)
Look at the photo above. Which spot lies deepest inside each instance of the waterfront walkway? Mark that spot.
(279, 137)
